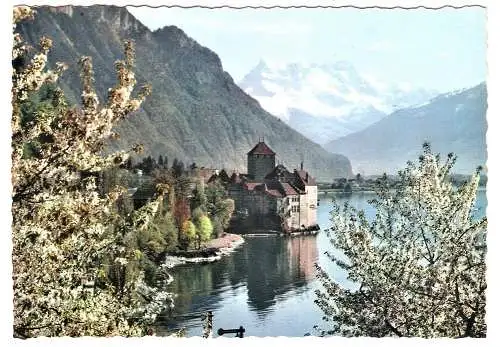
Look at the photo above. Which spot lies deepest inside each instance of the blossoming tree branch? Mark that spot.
(418, 268)
(73, 273)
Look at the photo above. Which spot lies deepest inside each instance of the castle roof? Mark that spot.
(235, 178)
(279, 172)
(224, 176)
(251, 185)
(274, 192)
(213, 178)
(261, 148)
(288, 189)
(284, 188)
(306, 179)
(205, 173)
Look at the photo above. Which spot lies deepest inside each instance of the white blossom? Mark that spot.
(64, 233)
(419, 267)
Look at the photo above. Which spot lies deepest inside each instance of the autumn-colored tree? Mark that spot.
(181, 211)
(188, 231)
(67, 238)
(418, 269)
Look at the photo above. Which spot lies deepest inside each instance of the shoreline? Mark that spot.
(219, 247)
(367, 190)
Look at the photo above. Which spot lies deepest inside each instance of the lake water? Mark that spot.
(267, 285)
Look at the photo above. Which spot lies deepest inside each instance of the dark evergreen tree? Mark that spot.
(359, 178)
(178, 168)
(199, 199)
(149, 165)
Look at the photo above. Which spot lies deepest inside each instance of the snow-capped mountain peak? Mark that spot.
(343, 99)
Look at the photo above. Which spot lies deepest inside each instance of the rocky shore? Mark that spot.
(209, 252)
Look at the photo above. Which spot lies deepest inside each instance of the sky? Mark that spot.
(443, 50)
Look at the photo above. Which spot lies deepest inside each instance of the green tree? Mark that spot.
(418, 269)
(217, 226)
(219, 207)
(214, 192)
(67, 239)
(196, 215)
(204, 230)
(199, 199)
(170, 232)
(179, 188)
(224, 210)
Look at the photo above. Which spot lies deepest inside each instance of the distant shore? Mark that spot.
(361, 190)
(340, 191)
(209, 252)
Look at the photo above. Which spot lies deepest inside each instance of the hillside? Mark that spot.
(196, 112)
(452, 122)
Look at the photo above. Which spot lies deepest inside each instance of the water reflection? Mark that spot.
(266, 284)
(277, 266)
(271, 268)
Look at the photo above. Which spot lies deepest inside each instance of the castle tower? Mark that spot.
(261, 160)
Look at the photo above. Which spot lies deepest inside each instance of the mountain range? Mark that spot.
(327, 101)
(196, 112)
(451, 122)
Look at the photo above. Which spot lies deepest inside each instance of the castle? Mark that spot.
(270, 195)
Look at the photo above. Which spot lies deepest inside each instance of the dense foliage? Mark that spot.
(418, 267)
(74, 272)
(219, 207)
(201, 211)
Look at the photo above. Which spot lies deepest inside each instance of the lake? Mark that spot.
(267, 285)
